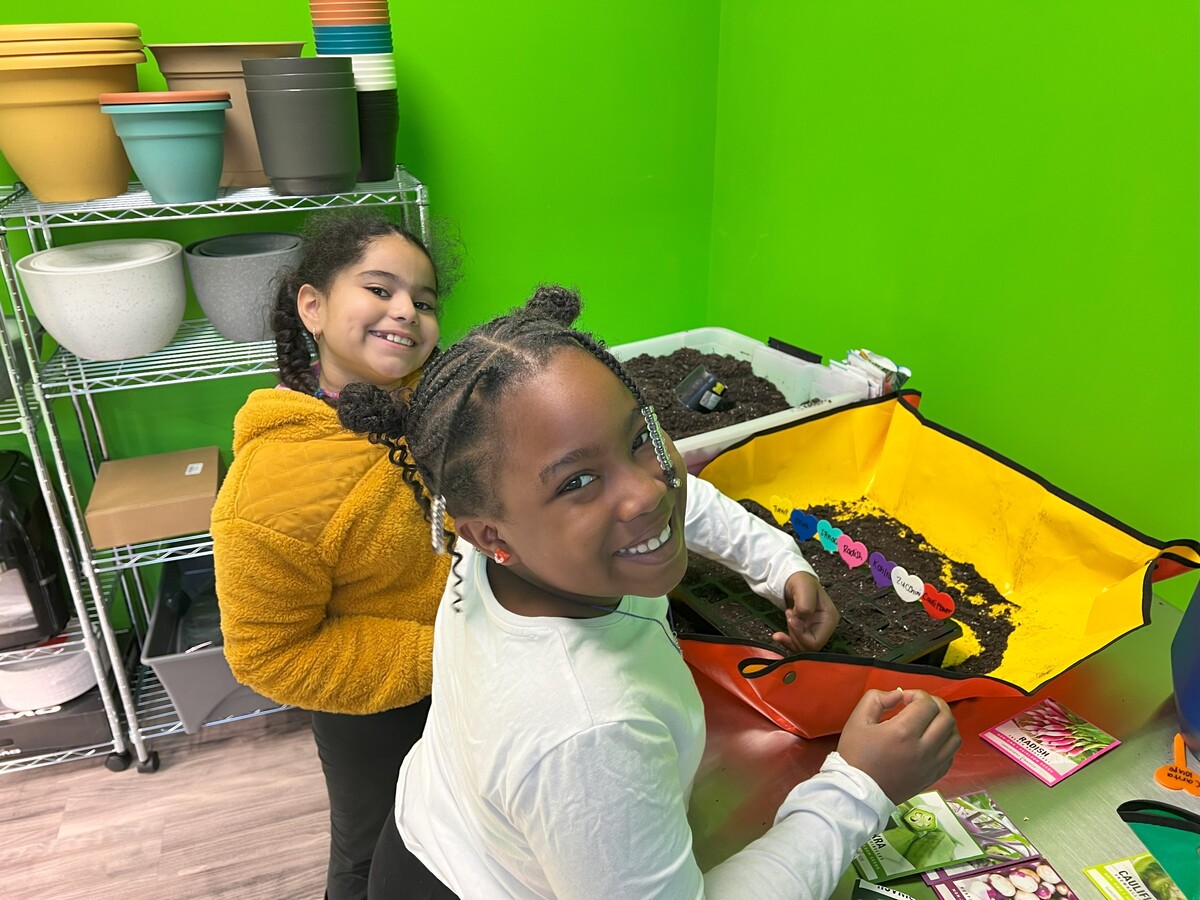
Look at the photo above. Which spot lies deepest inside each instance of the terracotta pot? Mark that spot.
(197, 67)
(52, 131)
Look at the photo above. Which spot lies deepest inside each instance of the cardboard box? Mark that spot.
(148, 498)
(74, 725)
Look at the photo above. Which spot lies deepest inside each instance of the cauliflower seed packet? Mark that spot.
(1137, 877)
(1049, 740)
(1035, 878)
(922, 834)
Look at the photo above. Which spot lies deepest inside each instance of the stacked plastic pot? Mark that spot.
(174, 139)
(306, 119)
(361, 31)
(218, 67)
(52, 131)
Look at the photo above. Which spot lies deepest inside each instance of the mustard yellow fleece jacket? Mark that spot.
(325, 576)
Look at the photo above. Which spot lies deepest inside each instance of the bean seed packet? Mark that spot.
(1036, 878)
(922, 834)
(993, 830)
(1138, 877)
(1049, 740)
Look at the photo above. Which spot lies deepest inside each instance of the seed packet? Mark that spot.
(993, 830)
(1035, 878)
(865, 890)
(922, 834)
(1137, 877)
(1049, 740)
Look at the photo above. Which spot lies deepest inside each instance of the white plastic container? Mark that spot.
(810, 388)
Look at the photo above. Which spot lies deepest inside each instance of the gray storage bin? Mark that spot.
(199, 682)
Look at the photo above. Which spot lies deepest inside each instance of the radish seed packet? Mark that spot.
(1049, 740)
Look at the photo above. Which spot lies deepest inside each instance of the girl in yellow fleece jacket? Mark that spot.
(326, 580)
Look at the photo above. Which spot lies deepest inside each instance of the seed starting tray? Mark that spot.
(870, 627)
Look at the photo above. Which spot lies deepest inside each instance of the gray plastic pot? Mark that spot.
(308, 138)
(233, 278)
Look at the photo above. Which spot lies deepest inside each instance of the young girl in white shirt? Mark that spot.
(565, 729)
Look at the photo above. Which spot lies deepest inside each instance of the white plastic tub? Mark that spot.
(810, 388)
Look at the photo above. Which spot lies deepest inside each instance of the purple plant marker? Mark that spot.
(881, 569)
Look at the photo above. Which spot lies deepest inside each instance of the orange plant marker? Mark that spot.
(1178, 777)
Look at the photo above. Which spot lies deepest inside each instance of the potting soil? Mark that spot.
(747, 396)
(986, 617)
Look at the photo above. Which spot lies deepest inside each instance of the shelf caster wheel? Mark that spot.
(117, 762)
(150, 765)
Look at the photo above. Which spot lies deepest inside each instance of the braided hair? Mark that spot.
(441, 434)
(333, 241)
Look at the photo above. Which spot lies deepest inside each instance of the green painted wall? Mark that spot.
(1001, 195)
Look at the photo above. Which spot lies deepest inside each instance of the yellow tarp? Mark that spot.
(1078, 579)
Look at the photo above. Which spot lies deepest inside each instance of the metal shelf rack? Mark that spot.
(141, 709)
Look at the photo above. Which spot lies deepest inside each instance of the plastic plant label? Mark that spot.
(938, 604)
(1000, 839)
(1138, 877)
(922, 834)
(852, 552)
(909, 588)
(1035, 878)
(781, 508)
(1178, 777)
(881, 569)
(828, 535)
(804, 525)
(1049, 740)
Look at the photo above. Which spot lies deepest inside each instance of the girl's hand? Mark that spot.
(811, 615)
(906, 753)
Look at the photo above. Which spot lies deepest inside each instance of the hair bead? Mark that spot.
(437, 524)
(660, 446)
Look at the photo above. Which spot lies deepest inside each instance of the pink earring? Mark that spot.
(501, 556)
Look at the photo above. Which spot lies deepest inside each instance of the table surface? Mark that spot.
(750, 764)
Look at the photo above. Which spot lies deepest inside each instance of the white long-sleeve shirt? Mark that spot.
(559, 754)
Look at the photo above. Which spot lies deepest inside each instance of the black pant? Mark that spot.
(396, 873)
(361, 756)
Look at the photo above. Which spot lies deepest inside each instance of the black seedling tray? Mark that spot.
(880, 626)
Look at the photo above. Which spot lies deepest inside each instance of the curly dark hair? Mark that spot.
(333, 241)
(441, 433)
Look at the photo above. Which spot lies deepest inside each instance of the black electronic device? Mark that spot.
(701, 390)
(33, 597)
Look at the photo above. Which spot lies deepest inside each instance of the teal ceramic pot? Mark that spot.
(176, 149)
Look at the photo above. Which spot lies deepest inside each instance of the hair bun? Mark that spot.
(370, 410)
(553, 301)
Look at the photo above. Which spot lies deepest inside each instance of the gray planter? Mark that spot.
(233, 277)
(308, 138)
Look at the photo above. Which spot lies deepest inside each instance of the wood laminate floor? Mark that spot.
(236, 811)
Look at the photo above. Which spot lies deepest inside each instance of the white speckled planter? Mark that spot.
(107, 299)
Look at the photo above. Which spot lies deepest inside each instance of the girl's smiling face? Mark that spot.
(378, 321)
(585, 511)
